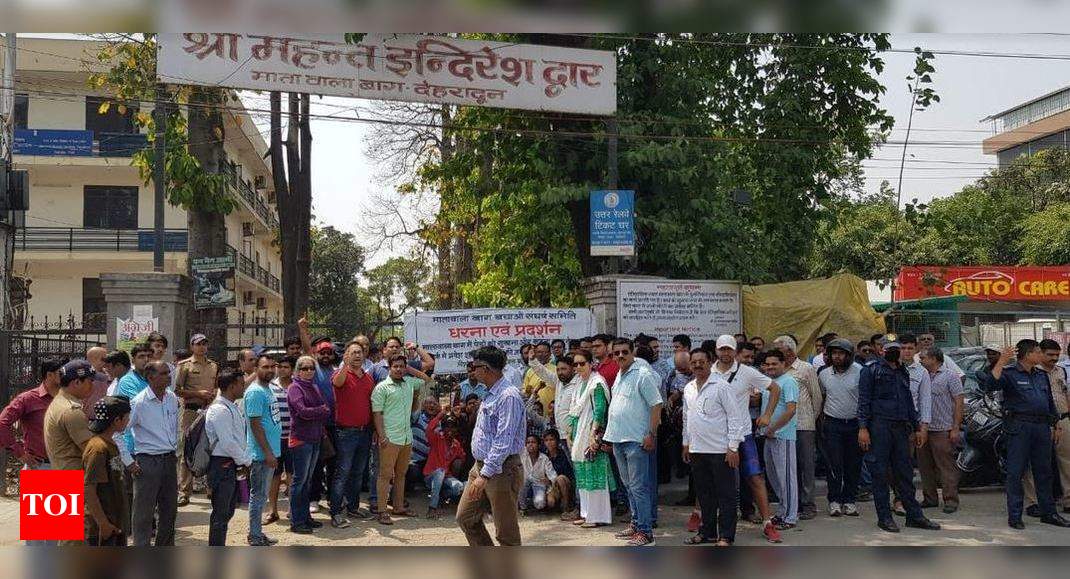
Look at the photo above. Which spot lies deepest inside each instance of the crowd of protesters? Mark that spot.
(585, 429)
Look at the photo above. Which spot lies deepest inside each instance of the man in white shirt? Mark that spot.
(154, 465)
(539, 474)
(808, 409)
(714, 427)
(746, 381)
(224, 424)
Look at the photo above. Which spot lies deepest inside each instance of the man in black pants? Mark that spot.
(714, 426)
(224, 424)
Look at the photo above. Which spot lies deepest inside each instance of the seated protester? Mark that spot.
(107, 511)
(565, 482)
(429, 409)
(539, 475)
(537, 422)
(444, 459)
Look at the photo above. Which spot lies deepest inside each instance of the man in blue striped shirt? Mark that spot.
(497, 441)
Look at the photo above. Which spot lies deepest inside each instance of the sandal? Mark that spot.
(592, 525)
(579, 522)
(404, 513)
(723, 543)
(271, 518)
(699, 540)
(384, 519)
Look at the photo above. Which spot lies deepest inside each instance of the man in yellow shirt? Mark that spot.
(537, 386)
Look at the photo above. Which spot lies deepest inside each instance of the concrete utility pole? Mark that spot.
(7, 227)
(159, 180)
(612, 176)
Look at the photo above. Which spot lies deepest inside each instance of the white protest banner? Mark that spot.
(400, 67)
(702, 309)
(452, 334)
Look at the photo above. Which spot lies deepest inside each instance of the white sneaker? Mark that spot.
(834, 509)
(850, 510)
(314, 508)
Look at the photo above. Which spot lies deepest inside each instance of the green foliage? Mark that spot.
(400, 277)
(131, 80)
(334, 294)
(1019, 214)
(700, 116)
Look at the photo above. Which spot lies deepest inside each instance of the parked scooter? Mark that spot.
(983, 456)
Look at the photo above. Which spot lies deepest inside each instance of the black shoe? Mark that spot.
(1019, 525)
(1055, 519)
(314, 523)
(301, 530)
(929, 504)
(864, 497)
(948, 509)
(1033, 511)
(888, 525)
(807, 515)
(899, 510)
(923, 523)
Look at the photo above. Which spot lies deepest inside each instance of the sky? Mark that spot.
(945, 154)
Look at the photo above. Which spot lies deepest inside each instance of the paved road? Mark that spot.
(980, 521)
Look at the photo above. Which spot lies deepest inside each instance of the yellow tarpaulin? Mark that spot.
(811, 308)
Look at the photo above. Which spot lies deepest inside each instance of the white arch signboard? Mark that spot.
(402, 67)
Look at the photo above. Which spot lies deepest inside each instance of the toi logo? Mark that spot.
(51, 505)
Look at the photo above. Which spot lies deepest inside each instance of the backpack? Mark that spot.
(196, 450)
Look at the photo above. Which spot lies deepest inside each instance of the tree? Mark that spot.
(193, 152)
(291, 170)
(335, 298)
(700, 117)
(398, 286)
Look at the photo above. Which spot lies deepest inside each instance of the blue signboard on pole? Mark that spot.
(53, 143)
(612, 223)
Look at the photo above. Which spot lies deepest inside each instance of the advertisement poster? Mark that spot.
(213, 282)
(135, 329)
(702, 309)
(451, 335)
(984, 283)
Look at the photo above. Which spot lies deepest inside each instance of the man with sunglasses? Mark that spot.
(634, 414)
(498, 439)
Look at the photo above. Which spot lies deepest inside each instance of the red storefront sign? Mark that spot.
(984, 283)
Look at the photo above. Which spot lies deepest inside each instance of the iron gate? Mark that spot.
(21, 354)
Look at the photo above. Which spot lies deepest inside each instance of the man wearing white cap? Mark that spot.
(746, 380)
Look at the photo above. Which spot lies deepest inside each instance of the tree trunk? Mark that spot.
(304, 198)
(207, 230)
(444, 286)
(288, 217)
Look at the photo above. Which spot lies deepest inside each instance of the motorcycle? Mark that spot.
(983, 456)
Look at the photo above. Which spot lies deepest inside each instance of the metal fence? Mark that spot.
(21, 355)
(952, 328)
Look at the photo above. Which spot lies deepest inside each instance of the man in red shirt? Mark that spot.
(444, 454)
(606, 365)
(28, 410)
(353, 419)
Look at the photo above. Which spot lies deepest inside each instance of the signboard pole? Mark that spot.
(612, 175)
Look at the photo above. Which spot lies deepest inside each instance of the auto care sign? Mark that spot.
(451, 335)
(984, 283)
(400, 67)
(702, 309)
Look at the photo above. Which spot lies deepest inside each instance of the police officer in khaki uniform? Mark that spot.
(66, 426)
(1057, 380)
(195, 385)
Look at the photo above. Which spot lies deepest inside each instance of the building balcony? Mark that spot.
(76, 143)
(249, 268)
(88, 239)
(253, 200)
